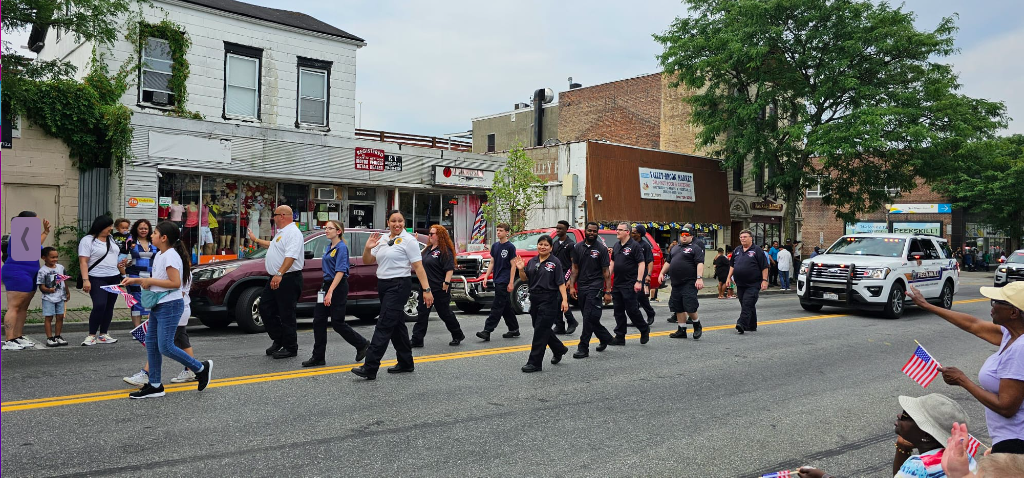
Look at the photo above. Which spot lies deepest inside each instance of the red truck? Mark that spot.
(468, 294)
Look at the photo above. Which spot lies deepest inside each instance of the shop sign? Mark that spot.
(920, 208)
(981, 230)
(930, 228)
(137, 201)
(867, 228)
(766, 206)
(666, 185)
(463, 177)
(369, 159)
(362, 194)
(392, 162)
(165, 200)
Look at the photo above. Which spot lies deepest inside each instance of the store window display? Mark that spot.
(256, 209)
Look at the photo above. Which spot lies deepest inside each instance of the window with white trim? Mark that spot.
(156, 73)
(312, 97)
(814, 193)
(242, 77)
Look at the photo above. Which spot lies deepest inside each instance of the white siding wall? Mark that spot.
(572, 158)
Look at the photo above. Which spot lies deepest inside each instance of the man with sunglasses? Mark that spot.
(628, 267)
(687, 278)
(284, 261)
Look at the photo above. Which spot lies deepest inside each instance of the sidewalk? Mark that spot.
(77, 309)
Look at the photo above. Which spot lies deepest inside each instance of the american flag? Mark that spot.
(139, 333)
(972, 445)
(479, 235)
(116, 289)
(782, 474)
(921, 367)
(61, 278)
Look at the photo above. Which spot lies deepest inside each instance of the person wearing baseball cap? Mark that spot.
(687, 278)
(1000, 386)
(639, 235)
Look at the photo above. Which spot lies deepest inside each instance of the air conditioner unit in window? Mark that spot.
(326, 194)
(161, 99)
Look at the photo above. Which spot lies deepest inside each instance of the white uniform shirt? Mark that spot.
(161, 262)
(785, 260)
(287, 243)
(396, 260)
(106, 252)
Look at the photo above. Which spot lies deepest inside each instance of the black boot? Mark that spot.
(698, 330)
(680, 333)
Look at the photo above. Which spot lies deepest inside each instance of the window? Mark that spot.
(814, 193)
(242, 81)
(737, 178)
(759, 182)
(317, 246)
(490, 143)
(314, 90)
(156, 73)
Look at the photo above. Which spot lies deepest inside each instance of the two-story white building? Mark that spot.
(276, 90)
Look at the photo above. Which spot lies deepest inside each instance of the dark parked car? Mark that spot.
(229, 291)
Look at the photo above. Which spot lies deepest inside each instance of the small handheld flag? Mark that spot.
(139, 333)
(782, 474)
(116, 289)
(921, 367)
(61, 278)
(972, 445)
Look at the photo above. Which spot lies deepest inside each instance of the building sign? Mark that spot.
(392, 162)
(368, 159)
(920, 209)
(136, 202)
(867, 228)
(930, 228)
(982, 230)
(362, 194)
(666, 185)
(766, 206)
(165, 200)
(463, 177)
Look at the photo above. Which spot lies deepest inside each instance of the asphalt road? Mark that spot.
(804, 389)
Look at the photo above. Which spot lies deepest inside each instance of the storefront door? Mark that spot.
(360, 216)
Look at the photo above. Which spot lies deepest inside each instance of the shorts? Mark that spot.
(181, 338)
(205, 235)
(722, 277)
(51, 309)
(17, 278)
(684, 297)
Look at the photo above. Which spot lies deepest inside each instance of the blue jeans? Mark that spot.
(784, 279)
(163, 323)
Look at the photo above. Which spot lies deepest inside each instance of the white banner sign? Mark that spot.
(920, 208)
(464, 177)
(666, 185)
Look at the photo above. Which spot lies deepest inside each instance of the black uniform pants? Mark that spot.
(277, 308)
(501, 308)
(773, 273)
(569, 321)
(336, 312)
(391, 325)
(643, 299)
(590, 303)
(747, 295)
(443, 304)
(626, 304)
(545, 308)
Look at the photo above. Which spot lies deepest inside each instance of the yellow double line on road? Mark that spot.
(32, 404)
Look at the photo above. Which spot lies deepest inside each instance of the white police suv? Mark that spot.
(1012, 270)
(873, 271)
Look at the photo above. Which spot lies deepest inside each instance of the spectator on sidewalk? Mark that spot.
(773, 256)
(100, 266)
(817, 251)
(19, 279)
(784, 261)
(52, 283)
(142, 250)
(721, 264)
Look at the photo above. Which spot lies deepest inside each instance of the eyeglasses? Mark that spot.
(330, 228)
(622, 230)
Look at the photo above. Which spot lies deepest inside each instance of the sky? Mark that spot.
(429, 67)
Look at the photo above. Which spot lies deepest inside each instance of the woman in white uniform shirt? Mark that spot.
(397, 257)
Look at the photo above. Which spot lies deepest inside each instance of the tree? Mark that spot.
(841, 93)
(516, 191)
(990, 185)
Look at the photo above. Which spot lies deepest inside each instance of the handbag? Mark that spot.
(150, 299)
(79, 281)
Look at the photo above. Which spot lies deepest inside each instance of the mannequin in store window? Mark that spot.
(191, 231)
(207, 226)
(266, 233)
(254, 218)
(176, 213)
(228, 223)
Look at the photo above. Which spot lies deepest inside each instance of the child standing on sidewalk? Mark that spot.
(50, 279)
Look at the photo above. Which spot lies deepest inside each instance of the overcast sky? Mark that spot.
(429, 67)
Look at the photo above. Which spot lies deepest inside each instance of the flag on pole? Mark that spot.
(139, 333)
(921, 367)
(479, 235)
(972, 445)
(117, 289)
(61, 278)
(782, 474)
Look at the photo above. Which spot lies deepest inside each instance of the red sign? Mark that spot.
(370, 159)
(132, 202)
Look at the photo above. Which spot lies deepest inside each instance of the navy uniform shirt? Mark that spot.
(563, 251)
(648, 255)
(545, 276)
(627, 259)
(501, 261)
(437, 263)
(684, 263)
(591, 260)
(747, 266)
(335, 260)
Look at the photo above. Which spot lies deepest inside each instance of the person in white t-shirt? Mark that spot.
(51, 280)
(784, 259)
(181, 340)
(170, 266)
(99, 264)
(284, 262)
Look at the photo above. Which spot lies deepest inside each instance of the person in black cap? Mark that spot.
(590, 271)
(563, 244)
(644, 297)
(749, 271)
(628, 269)
(687, 278)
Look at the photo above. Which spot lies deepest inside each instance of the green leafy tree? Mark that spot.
(516, 191)
(989, 185)
(842, 93)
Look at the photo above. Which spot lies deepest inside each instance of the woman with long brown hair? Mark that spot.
(439, 263)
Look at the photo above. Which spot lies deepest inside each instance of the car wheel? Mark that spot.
(894, 306)
(247, 311)
(469, 307)
(215, 321)
(411, 307)
(521, 298)
(946, 299)
(810, 307)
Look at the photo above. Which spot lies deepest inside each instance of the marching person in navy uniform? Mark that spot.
(397, 258)
(547, 301)
(502, 254)
(643, 299)
(748, 269)
(687, 278)
(590, 272)
(563, 245)
(439, 263)
(332, 299)
(628, 269)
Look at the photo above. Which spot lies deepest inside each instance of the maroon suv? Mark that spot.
(229, 291)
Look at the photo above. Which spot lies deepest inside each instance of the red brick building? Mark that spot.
(624, 112)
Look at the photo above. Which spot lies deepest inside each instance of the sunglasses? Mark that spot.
(684, 234)
(904, 417)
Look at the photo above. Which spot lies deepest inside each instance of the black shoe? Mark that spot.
(203, 376)
(273, 348)
(416, 344)
(645, 337)
(285, 353)
(148, 391)
(401, 369)
(557, 357)
(510, 334)
(361, 352)
(361, 371)
(689, 321)
(314, 362)
(650, 318)
(581, 354)
(572, 328)
(680, 333)
(673, 319)
(457, 340)
(559, 330)
(530, 368)
(620, 341)
(698, 330)
(485, 335)
(601, 346)
(739, 328)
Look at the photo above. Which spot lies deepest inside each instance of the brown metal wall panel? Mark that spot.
(613, 172)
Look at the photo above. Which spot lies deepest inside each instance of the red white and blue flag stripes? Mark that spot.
(139, 333)
(921, 367)
(782, 474)
(479, 235)
(116, 289)
(61, 278)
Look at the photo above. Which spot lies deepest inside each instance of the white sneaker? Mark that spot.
(139, 379)
(105, 339)
(12, 345)
(89, 340)
(60, 341)
(186, 375)
(25, 342)
(52, 342)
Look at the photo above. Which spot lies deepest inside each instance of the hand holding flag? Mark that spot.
(61, 278)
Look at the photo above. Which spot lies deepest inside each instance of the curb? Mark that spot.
(83, 327)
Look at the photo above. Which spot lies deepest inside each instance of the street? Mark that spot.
(805, 388)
